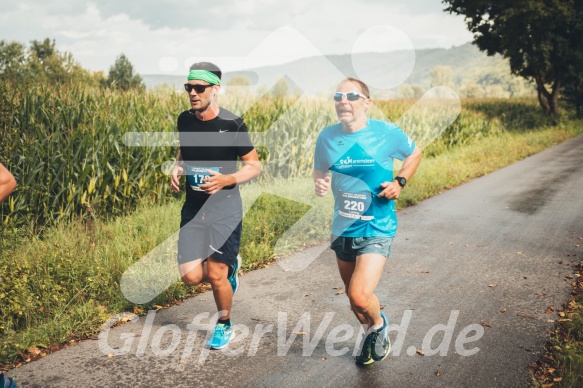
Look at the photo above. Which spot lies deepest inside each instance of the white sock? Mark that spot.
(377, 327)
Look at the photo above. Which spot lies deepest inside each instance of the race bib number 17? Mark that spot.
(195, 175)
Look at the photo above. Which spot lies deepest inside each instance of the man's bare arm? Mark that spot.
(7, 183)
(392, 190)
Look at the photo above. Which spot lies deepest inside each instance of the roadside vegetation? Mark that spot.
(562, 363)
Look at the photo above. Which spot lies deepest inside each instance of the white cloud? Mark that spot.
(146, 31)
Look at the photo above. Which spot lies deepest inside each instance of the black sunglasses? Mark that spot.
(197, 88)
(352, 96)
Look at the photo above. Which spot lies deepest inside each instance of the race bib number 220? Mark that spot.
(354, 205)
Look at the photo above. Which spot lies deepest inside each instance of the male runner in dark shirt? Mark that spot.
(212, 139)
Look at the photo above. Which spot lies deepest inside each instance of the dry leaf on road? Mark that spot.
(549, 310)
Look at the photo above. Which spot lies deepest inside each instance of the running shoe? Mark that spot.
(221, 336)
(234, 275)
(365, 356)
(381, 343)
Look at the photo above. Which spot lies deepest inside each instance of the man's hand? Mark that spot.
(177, 172)
(391, 190)
(322, 186)
(217, 181)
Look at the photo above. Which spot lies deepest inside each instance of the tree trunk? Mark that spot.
(554, 102)
(549, 102)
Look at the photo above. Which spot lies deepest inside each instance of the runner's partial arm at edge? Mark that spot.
(7, 183)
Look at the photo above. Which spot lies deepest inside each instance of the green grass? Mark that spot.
(562, 365)
(65, 283)
(569, 354)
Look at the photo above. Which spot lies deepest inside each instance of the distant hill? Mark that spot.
(464, 66)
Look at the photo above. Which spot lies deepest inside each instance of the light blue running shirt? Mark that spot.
(360, 161)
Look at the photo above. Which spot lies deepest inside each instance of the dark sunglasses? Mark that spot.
(352, 96)
(197, 88)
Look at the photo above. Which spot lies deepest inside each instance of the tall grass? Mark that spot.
(65, 146)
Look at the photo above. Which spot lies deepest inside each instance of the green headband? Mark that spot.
(204, 75)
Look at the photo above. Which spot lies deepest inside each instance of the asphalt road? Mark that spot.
(472, 276)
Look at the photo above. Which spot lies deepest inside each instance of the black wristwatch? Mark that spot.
(402, 181)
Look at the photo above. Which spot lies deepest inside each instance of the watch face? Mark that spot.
(402, 181)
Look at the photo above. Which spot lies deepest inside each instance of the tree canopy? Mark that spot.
(541, 39)
(42, 62)
(122, 75)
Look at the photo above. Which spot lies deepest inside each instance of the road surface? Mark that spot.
(473, 277)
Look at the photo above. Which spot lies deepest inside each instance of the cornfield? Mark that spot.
(65, 146)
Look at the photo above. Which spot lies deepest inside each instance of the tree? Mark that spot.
(281, 88)
(122, 76)
(239, 80)
(12, 60)
(541, 38)
(441, 76)
(418, 91)
(406, 91)
(239, 84)
(573, 94)
(496, 91)
(472, 90)
(43, 50)
(46, 61)
(41, 62)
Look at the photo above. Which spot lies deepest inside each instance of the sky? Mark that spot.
(165, 37)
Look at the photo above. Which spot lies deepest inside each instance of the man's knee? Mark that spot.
(216, 276)
(359, 300)
(192, 278)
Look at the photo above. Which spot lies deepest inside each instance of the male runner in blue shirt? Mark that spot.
(359, 152)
